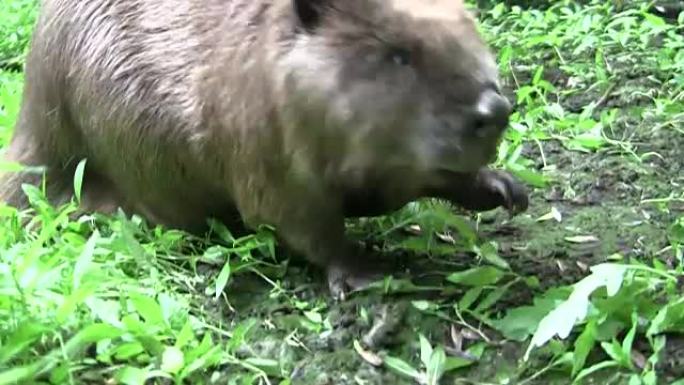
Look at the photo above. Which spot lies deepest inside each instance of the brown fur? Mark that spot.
(187, 109)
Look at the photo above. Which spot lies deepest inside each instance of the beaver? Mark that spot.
(290, 113)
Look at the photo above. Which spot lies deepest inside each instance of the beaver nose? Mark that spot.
(491, 111)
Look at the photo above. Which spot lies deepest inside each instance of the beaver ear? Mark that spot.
(308, 12)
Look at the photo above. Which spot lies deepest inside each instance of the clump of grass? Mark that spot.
(16, 25)
(110, 298)
(577, 71)
(10, 100)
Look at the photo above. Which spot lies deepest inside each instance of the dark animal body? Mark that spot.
(293, 113)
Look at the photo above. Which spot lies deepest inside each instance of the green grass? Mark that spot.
(585, 288)
(10, 100)
(16, 23)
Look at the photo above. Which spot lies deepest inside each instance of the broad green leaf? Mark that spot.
(151, 344)
(653, 20)
(25, 335)
(469, 297)
(583, 346)
(149, 309)
(490, 253)
(421, 305)
(402, 367)
(676, 231)
(128, 350)
(614, 351)
(222, 231)
(436, 366)
(90, 334)
(586, 141)
(210, 357)
(128, 231)
(650, 378)
(73, 300)
(478, 276)
(669, 319)
(85, 259)
(493, 297)
(205, 346)
(629, 341)
(78, 179)
(185, 336)
(463, 228)
(560, 321)
(269, 366)
(425, 350)
(453, 363)
(524, 93)
(530, 177)
(610, 275)
(215, 254)
(538, 74)
(314, 317)
(477, 349)
(106, 310)
(132, 376)
(18, 375)
(239, 334)
(172, 360)
(6, 166)
(34, 194)
(593, 369)
(174, 309)
(223, 277)
(87, 336)
(520, 323)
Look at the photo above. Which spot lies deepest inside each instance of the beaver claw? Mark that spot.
(513, 194)
(346, 278)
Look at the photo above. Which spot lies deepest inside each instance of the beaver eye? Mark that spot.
(399, 56)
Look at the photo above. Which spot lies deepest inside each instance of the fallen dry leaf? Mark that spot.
(367, 355)
(582, 239)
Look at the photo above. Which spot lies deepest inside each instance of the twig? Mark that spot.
(475, 330)
(605, 96)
